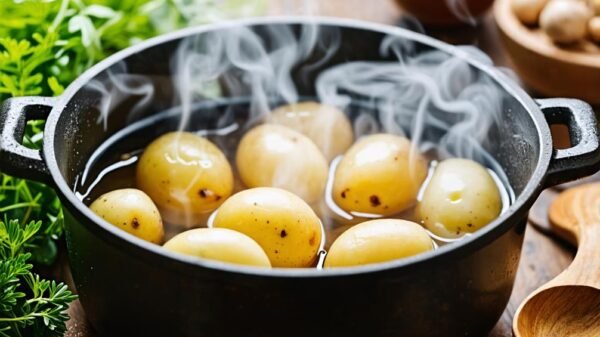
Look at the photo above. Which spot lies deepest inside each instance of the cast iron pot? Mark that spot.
(129, 287)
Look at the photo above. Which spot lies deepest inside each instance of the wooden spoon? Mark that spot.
(569, 305)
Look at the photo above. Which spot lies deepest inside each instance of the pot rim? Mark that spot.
(479, 239)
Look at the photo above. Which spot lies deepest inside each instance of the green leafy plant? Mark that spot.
(44, 46)
(26, 200)
(29, 305)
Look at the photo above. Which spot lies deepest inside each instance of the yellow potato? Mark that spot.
(276, 156)
(219, 244)
(378, 176)
(327, 126)
(186, 175)
(283, 225)
(461, 197)
(378, 241)
(131, 210)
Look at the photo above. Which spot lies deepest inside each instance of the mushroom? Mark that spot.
(528, 11)
(594, 28)
(595, 4)
(565, 21)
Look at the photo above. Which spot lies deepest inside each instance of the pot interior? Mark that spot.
(143, 86)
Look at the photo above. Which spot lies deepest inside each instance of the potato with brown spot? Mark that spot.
(327, 126)
(286, 228)
(379, 175)
(133, 211)
(186, 175)
(460, 198)
(219, 244)
(378, 241)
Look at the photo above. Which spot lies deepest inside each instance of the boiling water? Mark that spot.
(113, 166)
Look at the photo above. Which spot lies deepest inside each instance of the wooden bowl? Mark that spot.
(551, 70)
(445, 12)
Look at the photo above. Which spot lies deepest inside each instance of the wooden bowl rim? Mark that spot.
(525, 38)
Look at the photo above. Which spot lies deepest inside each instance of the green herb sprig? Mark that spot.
(44, 46)
(29, 305)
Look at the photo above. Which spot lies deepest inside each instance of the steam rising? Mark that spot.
(436, 99)
(431, 90)
(460, 9)
(415, 92)
(118, 86)
(239, 62)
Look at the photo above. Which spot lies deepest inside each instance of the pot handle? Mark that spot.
(16, 159)
(583, 158)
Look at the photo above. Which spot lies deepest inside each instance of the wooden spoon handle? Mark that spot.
(562, 217)
(576, 212)
(585, 269)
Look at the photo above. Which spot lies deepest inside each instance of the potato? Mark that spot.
(528, 11)
(186, 175)
(327, 126)
(133, 211)
(378, 241)
(377, 176)
(276, 156)
(461, 197)
(283, 224)
(565, 21)
(219, 244)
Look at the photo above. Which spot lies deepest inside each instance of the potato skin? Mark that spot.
(376, 176)
(327, 126)
(276, 156)
(378, 241)
(286, 228)
(461, 197)
(133, 211)
(219, 244)
(186, 175)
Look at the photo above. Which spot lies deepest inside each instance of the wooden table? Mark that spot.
(543, 257)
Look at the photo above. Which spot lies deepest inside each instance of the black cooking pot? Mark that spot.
(129, 287)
